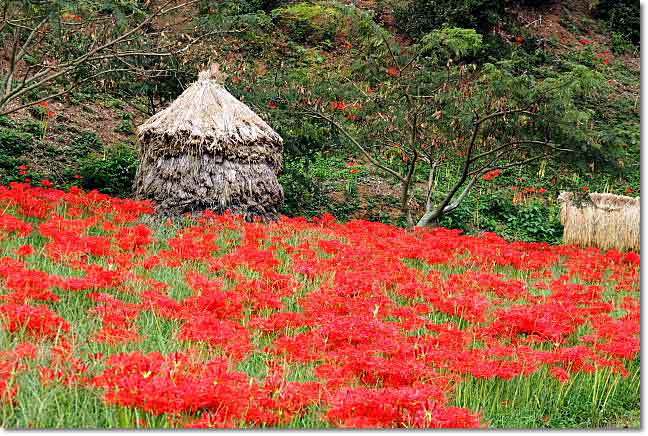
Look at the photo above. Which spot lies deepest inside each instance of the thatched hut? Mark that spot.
(208, 150)
(601, 220)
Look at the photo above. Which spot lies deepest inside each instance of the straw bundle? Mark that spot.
(601, 220)
(207, 150)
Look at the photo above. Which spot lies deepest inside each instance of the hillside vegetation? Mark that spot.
(327, 73)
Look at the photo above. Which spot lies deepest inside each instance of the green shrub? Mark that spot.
(622, 16)
(230, 7)
(419, 17)
(309, 23)
(249, 15)
(126, 125)
(33, 127)
(320, 184)
(111, 172)
(621, 44)
(535, 220)
(119, 8)
(303, 193)
(39, 112)
(14, 142)
(85, 143)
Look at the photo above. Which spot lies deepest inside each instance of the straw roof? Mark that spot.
(601, 220)
(207, 150)
(602, 201)
(207, 118)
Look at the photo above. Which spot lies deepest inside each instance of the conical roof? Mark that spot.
(207, 118)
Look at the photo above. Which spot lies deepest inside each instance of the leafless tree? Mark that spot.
(474, 164)
(493, 140)
(32, 72)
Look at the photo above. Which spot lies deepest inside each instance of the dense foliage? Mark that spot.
(622, 17)
(419, 17)
(472, 114)
(285, 58)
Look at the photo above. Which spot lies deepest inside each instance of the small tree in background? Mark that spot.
(437, 110)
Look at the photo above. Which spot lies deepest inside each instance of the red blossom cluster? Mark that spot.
(181, 383)
(490, 175)
(37, 320)
(45, 105)
(386, 322)
(605, 57)
(12, 363)
(529, 190)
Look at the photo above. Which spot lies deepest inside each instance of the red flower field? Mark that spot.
(109, 322)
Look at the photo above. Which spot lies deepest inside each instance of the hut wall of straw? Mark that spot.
(190, 183)
(208, 150)
(601, 220)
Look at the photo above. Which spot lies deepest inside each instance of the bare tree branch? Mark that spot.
(74, 86)
(454, 204)
(49, 73)
(391, 52)
(430, 186)
(23, 49)
(355, 142)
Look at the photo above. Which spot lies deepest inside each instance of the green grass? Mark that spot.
(596, 400)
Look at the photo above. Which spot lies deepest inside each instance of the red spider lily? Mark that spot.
(560, 374)
(134, 239)
(37, 320)
(68, 16)
(393, 71)
(371, 309)
(605, 57)
(278, 322)
(491, 175)
(12, 363)
(385, 408)
(26, 284)
(178, 383)
(45, 105)
(25, 250)
(11, 224)
(231, 337)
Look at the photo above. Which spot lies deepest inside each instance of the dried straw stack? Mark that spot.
(207, 150)
(601, 220)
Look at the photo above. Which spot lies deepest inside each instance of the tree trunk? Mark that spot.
(429, 219)
(405, 210)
